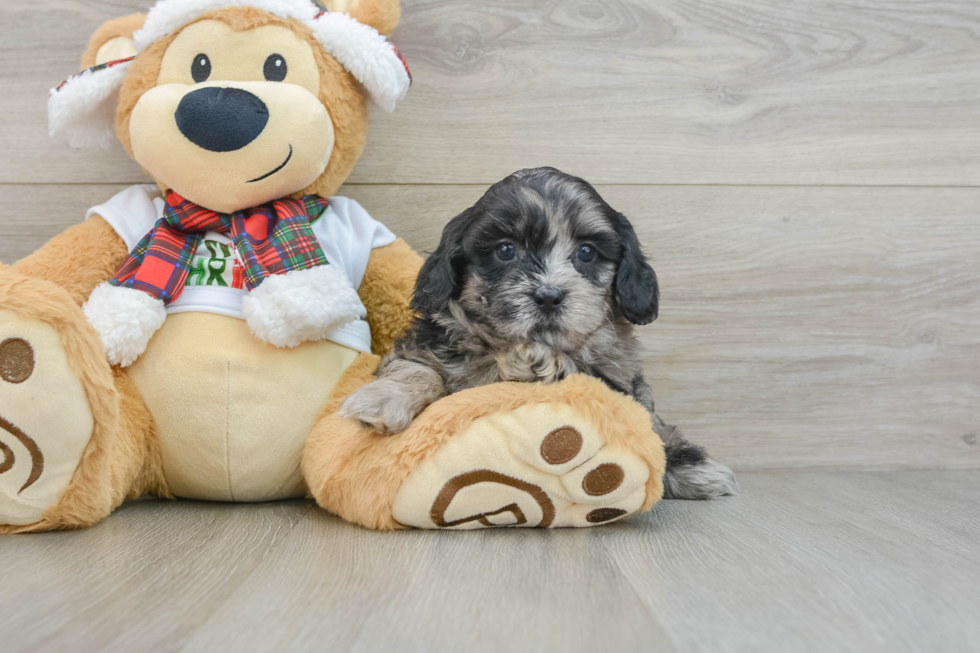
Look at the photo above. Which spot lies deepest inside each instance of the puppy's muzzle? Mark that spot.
(221, 119)
(548, 298)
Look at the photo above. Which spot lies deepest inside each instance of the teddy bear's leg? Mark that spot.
(75, 436)
(573, 453)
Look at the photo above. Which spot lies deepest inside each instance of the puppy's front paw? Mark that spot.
(382, 405)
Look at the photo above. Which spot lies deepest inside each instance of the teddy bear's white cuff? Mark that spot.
(287, 309)
(125, 320)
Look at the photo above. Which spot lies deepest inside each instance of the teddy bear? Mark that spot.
(194, 338)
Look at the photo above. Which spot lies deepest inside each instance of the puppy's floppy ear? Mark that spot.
(438, 279)
(637, 292)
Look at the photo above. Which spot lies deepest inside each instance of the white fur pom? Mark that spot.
(125, 319)
(287, 309)
(83, 111)
(366, 54)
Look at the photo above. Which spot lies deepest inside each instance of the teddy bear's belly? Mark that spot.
(233, 412)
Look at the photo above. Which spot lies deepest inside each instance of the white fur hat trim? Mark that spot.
(82, 110)
(367, 55)
(166, 16)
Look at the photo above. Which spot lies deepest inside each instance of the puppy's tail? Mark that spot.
(690, 472)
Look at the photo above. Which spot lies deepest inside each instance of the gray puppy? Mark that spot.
(540, 279)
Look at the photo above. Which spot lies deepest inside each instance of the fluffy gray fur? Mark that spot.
(539, 279)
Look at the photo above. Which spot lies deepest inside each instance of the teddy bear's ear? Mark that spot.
(382, 15)
(82, 109)
(112, 41)
(354, 33)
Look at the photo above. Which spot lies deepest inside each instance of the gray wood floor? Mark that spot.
(801, 561)
(806, 176)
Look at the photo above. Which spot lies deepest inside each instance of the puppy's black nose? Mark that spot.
(548, 298)
(221, 119)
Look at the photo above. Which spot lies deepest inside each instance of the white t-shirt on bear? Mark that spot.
(215, 284)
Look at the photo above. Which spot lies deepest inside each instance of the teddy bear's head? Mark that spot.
(234, 103)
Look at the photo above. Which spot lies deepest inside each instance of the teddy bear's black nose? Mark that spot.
(221, 119)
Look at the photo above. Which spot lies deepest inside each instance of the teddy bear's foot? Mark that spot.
(45, 419)
(540, 465)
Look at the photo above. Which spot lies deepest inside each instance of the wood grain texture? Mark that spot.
(799, 327)
(137, 582)
(793, 170)
(619, 91)
(802, 561)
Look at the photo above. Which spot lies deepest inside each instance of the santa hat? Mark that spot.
(82, 109)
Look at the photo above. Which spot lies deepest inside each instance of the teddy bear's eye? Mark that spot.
(201, 68)
(275, 68)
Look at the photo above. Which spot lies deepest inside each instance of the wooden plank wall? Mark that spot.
(805, 175)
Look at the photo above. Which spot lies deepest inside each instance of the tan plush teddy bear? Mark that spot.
(195, 338)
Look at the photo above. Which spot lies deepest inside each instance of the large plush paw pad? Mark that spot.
(540, 465)
(45, 420)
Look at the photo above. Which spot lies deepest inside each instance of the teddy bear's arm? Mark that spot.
(78, 259)
(386, 291)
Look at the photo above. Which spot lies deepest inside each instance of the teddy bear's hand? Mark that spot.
(125, 320)
(287, 309)
(389, 404)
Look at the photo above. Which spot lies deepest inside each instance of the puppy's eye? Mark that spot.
(506, 251)
(201, 68)
(275, 68)
(585, 253)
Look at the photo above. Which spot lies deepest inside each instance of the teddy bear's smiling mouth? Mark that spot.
(272, 172)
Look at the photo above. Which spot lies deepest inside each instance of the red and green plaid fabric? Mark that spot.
(271, 239)
(94, 69)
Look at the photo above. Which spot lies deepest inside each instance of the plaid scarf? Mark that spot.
(274, 238)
